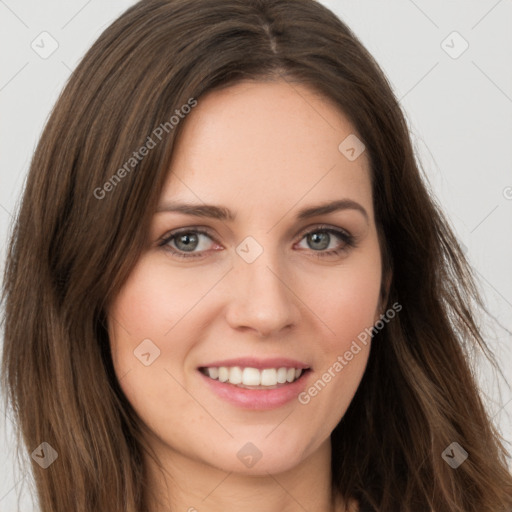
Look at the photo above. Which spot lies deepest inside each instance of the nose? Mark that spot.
(261, 297)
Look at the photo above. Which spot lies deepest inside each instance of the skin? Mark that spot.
(264, 150)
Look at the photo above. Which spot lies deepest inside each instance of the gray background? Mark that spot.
(458, 105)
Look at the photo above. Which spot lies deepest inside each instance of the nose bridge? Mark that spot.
(259, 295)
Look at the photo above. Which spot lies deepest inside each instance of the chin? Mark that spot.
(258, 458)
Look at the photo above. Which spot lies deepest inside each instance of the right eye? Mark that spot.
(182, 243)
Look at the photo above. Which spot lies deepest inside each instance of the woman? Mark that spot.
(228, 287)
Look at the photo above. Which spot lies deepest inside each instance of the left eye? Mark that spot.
(322, 238)
(184, 243)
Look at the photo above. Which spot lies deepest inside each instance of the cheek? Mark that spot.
(141, 321)
(156, 298)
(347, 306)
(348, 300)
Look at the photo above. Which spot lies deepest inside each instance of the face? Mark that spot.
(271, 292)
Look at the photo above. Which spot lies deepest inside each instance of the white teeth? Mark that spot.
(252, 376)
(223, 374)
(281, 375)
(213, 372)
(235, 375)
(269, 377)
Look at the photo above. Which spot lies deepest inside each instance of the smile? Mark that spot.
(253, 378)
(277, 386)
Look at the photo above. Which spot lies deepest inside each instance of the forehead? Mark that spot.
(273, 140)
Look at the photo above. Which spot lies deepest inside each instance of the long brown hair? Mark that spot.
(82, 224)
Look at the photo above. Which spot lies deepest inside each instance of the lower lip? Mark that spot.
(258, 399)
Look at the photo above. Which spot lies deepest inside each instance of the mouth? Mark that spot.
(254, 378)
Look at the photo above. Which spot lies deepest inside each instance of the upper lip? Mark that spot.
(252, 362)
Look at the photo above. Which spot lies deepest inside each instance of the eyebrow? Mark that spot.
(223, 213)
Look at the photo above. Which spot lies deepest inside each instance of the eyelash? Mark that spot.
(348, 240)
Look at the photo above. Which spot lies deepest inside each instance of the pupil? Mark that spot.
(188, 240)
(316, 237)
